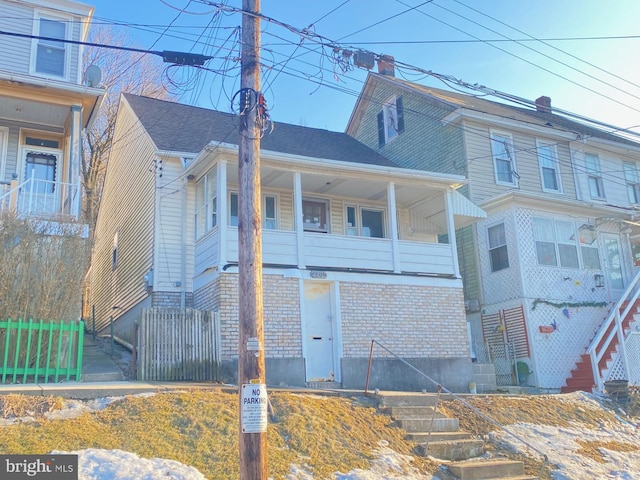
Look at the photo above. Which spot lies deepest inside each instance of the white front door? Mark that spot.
(616, 281)
(319, 331)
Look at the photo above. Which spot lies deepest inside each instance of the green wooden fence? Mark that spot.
(33, 349)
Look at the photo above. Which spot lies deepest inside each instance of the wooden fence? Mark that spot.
(30, 350)
(175, 344)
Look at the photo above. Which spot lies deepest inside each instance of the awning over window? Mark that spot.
(465, 212)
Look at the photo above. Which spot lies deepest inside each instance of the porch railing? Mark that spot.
(41, 198)
(611, 334)
(33, 349)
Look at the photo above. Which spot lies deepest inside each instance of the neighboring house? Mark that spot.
(44, 106)
(561, 241)
(354, 247)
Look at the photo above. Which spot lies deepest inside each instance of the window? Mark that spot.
(314, 215)
(42, 168)
(114, 252)
(594, 176)
(549, 167)
(557, 244)
(269, 209)
(390, 120)
(633, 184)
(50, 54)
(206, 203)
(498, 248)
(364, 221)
(503, 161)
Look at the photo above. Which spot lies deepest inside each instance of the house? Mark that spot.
(558, 250)
(45, 103)
(354, 247)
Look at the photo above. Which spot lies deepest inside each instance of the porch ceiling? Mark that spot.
(29, 111)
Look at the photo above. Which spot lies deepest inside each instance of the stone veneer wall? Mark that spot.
(171, 300)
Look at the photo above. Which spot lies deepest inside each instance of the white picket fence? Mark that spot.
(177, 344)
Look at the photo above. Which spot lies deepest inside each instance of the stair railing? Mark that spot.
(600, 344)
(440, 389)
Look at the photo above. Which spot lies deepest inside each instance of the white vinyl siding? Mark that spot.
(549, 167)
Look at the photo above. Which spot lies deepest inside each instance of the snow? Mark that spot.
(559, 444)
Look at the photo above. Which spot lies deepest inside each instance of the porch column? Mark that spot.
(222, 210)
(393, 225)
(75, 144)
(451, 230)
(297, 211)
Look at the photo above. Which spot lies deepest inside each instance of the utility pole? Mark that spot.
(251, 369)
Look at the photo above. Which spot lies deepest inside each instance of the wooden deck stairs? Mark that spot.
(440, 437)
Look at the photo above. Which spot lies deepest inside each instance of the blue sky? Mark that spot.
(595, 78)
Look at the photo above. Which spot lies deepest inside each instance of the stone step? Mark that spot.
(411, 412)
(428, 425)
(438, 436)
(392, 399)
(488, 470)
(454, 450)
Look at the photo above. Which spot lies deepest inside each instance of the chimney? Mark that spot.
(386, 65)
(543, 104)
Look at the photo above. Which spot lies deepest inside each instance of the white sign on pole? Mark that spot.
(253, 412)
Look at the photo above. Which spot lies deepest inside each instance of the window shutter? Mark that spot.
(400, 114)
(381, 139)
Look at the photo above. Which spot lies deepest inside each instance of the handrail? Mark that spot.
(62, 197)
(630, 296)
(456, 397)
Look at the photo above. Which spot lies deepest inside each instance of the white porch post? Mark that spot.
(393, 225)
(222, 210)
(297, 210)
(75, 147)
(451, 230)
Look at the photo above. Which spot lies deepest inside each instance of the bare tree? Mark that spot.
(122, 72)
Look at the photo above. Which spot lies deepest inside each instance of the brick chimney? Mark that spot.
(543, 104)
(386, 65)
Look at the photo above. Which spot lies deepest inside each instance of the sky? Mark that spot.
(559, 444)
(546, 47)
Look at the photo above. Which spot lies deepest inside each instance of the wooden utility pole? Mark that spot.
(251, 369)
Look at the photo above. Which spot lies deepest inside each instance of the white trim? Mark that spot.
(303, 326)
(297, 221)
(70, 7)
(451, 230)
(222, 218)
(512, 157)
(67, 20)
(555, 160)
(4, 148)
(337, 332)
(393, 225)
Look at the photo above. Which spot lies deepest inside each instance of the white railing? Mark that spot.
(611, 333)
(42, 198)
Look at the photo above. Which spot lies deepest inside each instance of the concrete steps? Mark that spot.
(489, 470)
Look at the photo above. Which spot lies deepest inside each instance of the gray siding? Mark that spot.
(128, 208)
(426, 143)
(15, 52)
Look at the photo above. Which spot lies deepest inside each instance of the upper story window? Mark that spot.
(594, 175)
(498, 253)
(364, 221)
(390, 120)
(50, 57)
(269, 210)
(503, 159)
(549, 167)
(633, 183)
(315, 215)
(114, 251)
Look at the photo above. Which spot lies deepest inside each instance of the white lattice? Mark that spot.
(633, 358)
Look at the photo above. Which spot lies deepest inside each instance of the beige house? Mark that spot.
(355, 248)
(45, 103)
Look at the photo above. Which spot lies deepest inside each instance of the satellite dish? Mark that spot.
(92, 76)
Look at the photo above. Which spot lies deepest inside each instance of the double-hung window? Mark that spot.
(269, 211)
(633, 184)
(364, 221)
(390, 120)
(594, 176)
(498, 254)
(503, 159)
(549, 167)
(50, 52)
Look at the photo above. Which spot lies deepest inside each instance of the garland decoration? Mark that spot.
(568, 304)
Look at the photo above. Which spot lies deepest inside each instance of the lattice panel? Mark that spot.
(503, 361)
(633, 358)
(516, 330)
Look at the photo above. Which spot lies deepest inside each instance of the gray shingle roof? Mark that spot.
(184, 128)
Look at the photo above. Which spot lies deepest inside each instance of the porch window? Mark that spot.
(549, 167)
(557, 244)
(567, 249)
(42, 167)
(589, 246)
(50, 54)
(545, 241)
(633, 184)
(365, 222)
(314, 215)
(503, 159)
(498, 247)
(269, 211)
(390, 120)
(206, 216)
(594, 175)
